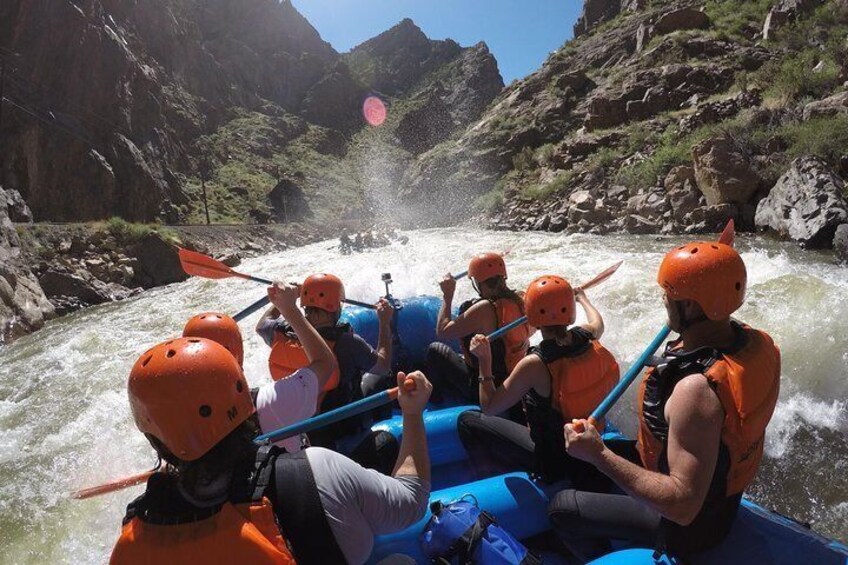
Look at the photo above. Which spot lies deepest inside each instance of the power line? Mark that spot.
(52, 121)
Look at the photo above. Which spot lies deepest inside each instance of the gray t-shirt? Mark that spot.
(360, 503)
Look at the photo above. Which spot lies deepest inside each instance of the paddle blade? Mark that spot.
(728, 235)
(200, 265)
(120, 484)
(601, 277)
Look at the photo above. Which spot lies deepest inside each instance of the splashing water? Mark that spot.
(65, 421)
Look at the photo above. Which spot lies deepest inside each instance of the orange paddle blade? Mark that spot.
(729, 234)
(601, 277)
(200, 265)
(120, 484)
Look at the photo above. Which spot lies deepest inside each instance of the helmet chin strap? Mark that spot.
(685, 323)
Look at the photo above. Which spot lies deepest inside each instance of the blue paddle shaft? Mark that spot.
(262, 302)
(631, 375)
(331, 417)
(458, 276)
(501, 331)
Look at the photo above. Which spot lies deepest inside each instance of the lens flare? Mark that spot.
(374, 111)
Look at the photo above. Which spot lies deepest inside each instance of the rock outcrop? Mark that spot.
(840, 243)
(806, 205)
(23, 305)
(120, 108)
(723, 173)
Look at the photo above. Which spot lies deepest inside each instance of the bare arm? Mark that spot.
(413, 459)
(529, 373)
(384, 341)
(321, 359)
(480, 318)
(270, 314)
(695, 417)
(594, 322)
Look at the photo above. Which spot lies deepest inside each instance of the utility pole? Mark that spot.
(2, 93)
(203, 169)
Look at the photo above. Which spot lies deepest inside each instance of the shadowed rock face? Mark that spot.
(23, 306)
(120, 89)
(117, 97)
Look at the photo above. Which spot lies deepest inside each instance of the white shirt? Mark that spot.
(285, 402)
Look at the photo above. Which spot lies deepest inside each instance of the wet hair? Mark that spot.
(234, 451)
(500, 289)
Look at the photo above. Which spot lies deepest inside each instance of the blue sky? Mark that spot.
(520, 33)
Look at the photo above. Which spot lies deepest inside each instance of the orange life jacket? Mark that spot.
(747, 383)
(517, 340)
(237, 533)
(288, 355)
(579, 383)
(515, 343)
(581, 375)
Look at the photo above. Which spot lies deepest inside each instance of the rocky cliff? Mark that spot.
(127, 109)
(661, 117)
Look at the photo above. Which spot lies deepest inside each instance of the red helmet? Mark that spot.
(485, 266)
(219, 328)
(189, 393)
(549, 301)
(710, 274)
(322, 291)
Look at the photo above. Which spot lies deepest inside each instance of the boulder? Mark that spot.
(158, 262)
(683, 18)
(723, 174)
(638, 225)
(57, 284)
(784, 12)
(595, 12)
(558, 223)
(827, 107)
(652, 204)
(17, 207)
(605, 113)
(232, 259)
(840, 243)
(711, 219)
(806, 205)
(682, 192)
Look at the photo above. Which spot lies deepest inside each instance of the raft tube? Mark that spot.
(519, 503)
(414, 328)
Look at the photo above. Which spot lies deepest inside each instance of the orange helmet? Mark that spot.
(322, 291)
(219, 328)
(189, 393)
(485, 266)
(711, 274)
(549, 301)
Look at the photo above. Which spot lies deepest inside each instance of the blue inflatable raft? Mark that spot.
(520, 504)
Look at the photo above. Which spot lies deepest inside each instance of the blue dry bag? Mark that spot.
(460, 533)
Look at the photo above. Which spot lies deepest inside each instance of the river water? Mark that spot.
(65, 421)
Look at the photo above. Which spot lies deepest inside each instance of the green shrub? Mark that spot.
(523, 160)
(492, 200)
(794, 77)
(125, 231)
(730, 18)
(537, 191)
(823, 137)
(544, 154)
